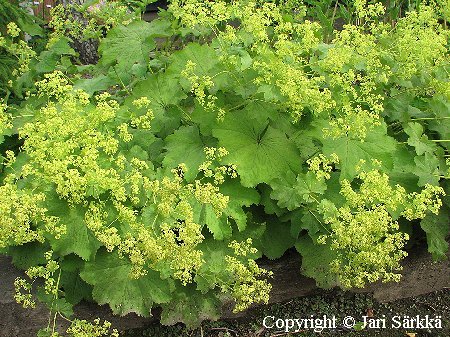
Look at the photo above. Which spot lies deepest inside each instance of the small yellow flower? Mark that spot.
(12, 29)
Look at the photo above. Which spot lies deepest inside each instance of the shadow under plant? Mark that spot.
(337, 304)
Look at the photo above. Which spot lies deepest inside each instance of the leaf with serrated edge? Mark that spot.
(128, 45)
(239, 196)
(277, 239)
(185, 146)
(218, 226)
(190, 307)
(285, 192)
(427, 169)
(316, 259)
(78, 239)
(110, 276)
(418, 140)
(376, 145)
(260, 152)
(437, 228)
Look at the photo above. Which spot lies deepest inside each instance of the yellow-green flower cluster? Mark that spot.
(322, 165)
(183, 238)
(200, 85)
(296, 39)
(5, 117)
(95, 219)
(23, 294)
(211, 169)
(374, 189)
(344, 79)
(249, 288)
(419, 43)
(200, 14)
(176, 245)
(355, 70)
(143, 121)
(368, 245)
(83, 328)
(47, 273)
(122, 130)
(65, 145)
(20, 212)
(107, 13)
(243, 248)
(248, 284)
(81, 24)
(300, 90)
(20, 49)
(368, 11)
(428, 200)
(75, 146)
(209, 194)
(282, 66)
(12, 29)
(54, 85)
(364, 232)
(352, 122)
(23, 288)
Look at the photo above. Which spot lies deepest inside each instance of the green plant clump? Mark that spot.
(218, 133)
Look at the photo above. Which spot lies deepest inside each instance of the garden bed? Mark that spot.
(223, 156)
(421, 276)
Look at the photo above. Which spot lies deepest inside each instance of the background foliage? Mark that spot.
(219, 132)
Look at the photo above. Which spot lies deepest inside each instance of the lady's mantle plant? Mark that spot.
(218, 133)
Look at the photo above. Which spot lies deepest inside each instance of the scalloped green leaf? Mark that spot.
(95, 84)
(190, 307)
(212, 272)
(110, 276)
(164, 93)
(270, 205)
(48, 59)
(292, 191)
(161, 89)
(308, 186)
(240, 196)
(284, 191)
(75, 289)
(316, 259)
(277, 238)
(305, 219)
(418, 140)
(427, 169)
(377, 145)
(206, 64)
(437, 228)
(128, 46)
(218, 226)
(260, 151)
(28, 255)
(185, 146)
(78, 239)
